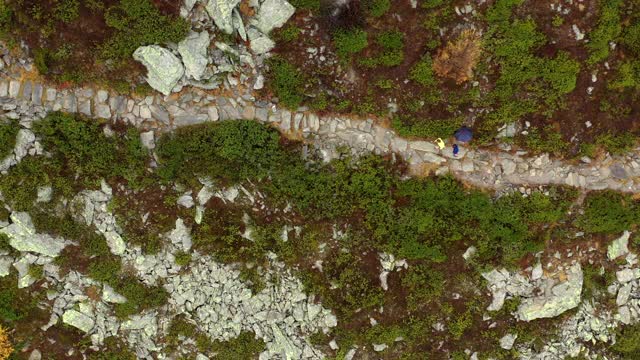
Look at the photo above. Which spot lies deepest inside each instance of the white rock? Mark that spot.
(148, 139)
(115, 242)
(221, 11)
(469, 253)
(44, 194)
(164, 69)
(111, 296)
(22, 237)
(193, 50)
(273, 14)
(560, 298)
(262, 45)
(507, 341)
(78, 320)
(623, 294)
(619, 247)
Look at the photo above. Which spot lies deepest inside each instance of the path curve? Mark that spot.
(482, 168)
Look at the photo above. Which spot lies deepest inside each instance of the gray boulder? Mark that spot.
(164, 69)
(273, 14)
(221, 11)
(78, 320)
(22, 237)
(556, 299)
(619, 247)
(193, 50)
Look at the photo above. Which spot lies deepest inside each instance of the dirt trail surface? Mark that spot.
(495, 169)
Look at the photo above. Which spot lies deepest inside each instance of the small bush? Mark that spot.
(617, 144)
(8, 132)
(631, 38)
(607, 30)
(376, 8)
(350, 42)
(67, 10)
(422, 72)
(287, 82)
(183, 258)
(607, 212)
(136, 23)
(245, 346)
(628, 342)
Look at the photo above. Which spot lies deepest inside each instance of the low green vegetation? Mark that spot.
(287, 82)
(350, 42)
(607, 30)
(608, 212)
(391, 44)
(8, 133)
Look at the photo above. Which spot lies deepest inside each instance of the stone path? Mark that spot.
(482, 168)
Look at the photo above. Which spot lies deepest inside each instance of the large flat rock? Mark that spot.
(22, 237)
(164, 69)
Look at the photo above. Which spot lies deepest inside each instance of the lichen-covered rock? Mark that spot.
(619, 247)
(111, 296)
(193, 50)
(115, 243)
(273, 14)
(22, 237)
(221, 11)
(261, 45)
(556, 299)
(164, 69)
(78, 320)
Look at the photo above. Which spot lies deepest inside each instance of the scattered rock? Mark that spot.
(619, 247)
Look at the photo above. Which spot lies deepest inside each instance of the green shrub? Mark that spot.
(20, 185)
(392, 44)
(628, 76)
(422, 72)
(232, 150)
(631, 38)
(350, 42)
(183, 258)
(548, 140)
(616, 144)
(67, 10)
(139, 297)
(245, 346)
(287, 82)
(8, 132)
(607, 212)
(628, 342)
(376, 8)
(608, 29)
(288, 33)
(136, 23)
(105, 269)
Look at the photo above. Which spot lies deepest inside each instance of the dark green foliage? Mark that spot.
(229, 150)
(183, 258)
(607, 30)
(617, 144)
(376, 8)
(139, 297)
(67, 10)
(549, 141)
(628, 342)
(422, 72)
(288, 33)
(8, 132)
(628, 76)
(81, 145)
(392, 54)
(349, 42)
(136, 23)
(245, 346)
(287, 82)
(423, 285)
(631, 38)
(607, 212)
(105, 269)
(15, 304)
(20, 185)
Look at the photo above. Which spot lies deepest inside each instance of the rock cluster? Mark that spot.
(194, 63)
(543, 294)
